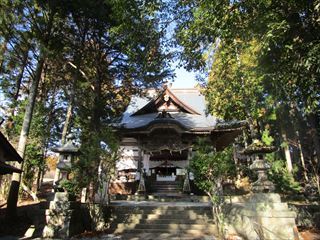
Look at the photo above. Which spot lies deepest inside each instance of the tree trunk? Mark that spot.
(3, 49)
(287, 152)
(16, 177)
(66, 127)
(314, 135)
(21, 73)
(67, 122)
(47, 135)
(304, 169)
(96, 127)
(252, 130)
(285, 124)
(298, 124)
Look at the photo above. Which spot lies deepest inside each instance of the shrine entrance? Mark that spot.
(168, 165)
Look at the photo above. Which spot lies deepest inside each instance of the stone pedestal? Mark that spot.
(63, 218)
(260, 216)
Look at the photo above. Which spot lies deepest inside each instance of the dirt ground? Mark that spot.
(309, 234)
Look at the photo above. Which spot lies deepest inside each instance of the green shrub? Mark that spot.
(279, 175)
(70, 186)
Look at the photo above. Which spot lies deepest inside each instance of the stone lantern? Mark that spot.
(261, 214)
(63, 215)
(260, 166)
(67, 152)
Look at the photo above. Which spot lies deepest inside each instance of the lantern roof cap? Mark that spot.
(68, 147)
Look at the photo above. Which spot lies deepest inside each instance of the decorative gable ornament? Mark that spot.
(167, 101)
(166, 97)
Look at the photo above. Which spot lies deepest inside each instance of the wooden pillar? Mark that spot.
(186, 183)
(141, 186)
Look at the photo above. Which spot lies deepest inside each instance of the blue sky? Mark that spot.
(184, 79)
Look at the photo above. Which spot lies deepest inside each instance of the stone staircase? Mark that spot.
(163, 221)
(166, 187)
(160, 197)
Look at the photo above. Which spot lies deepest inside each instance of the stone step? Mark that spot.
(159, 212)
(167, 192)
(208, 231)
(162, 197)
(166, 187)
(168, 221)
(163, 207)
(185, 219)
(191, 216)
(165, 182)
(171, 236)
(172, 226)
(167, 197)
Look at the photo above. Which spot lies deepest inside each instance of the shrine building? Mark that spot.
(158, 132)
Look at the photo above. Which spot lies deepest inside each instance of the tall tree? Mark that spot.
(286, 61)
(121, 53)
(40, 21)
(91, 54)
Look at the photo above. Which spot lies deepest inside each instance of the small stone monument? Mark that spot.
(186, 183)
(142, 186)
(260, 215)
(62, 211)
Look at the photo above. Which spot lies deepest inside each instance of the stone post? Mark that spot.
(62, 212)
(141, 186)
(59, 217)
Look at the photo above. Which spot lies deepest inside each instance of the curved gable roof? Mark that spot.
(165, 96)
(191, 103)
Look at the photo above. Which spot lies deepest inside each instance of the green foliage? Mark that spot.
(264, 62)
(235, 89)
(266, 138)
(288, 54)
(211, 168)
(71, 186)
(33, 162)
(90, 55)
(279, 175)
(97, 151)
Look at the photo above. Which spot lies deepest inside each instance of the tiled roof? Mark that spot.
(190, 97)
(10, 153)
